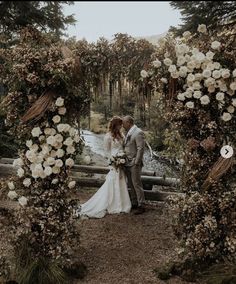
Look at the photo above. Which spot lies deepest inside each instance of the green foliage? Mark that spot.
(44, 15)
(210, 13)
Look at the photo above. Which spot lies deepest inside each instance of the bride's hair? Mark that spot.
(113, 127)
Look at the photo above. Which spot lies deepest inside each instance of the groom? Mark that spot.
(134, 148)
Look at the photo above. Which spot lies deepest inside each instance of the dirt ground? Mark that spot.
(126, 248)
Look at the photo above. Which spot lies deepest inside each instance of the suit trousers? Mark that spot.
(134, 181)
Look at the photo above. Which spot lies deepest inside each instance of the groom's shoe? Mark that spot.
(139, 210)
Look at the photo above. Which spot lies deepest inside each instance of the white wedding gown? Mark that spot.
(112, 197)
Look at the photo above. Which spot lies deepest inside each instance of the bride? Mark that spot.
(112, 197)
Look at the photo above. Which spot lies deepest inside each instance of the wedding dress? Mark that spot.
(112, 197)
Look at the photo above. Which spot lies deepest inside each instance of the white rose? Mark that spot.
(190, 104)
(48, 171)
(181, 60)
(48, 131)
(70, 149)
(67, 127)
(211, 89)
(206, 73)
(205, 100)
(36, 131)
(216, 74)
(59, 102)
(186, 34)
(234, 102)
(50, 161)
(234, 73)
(197, 85)
(220, 96)
(215, 45)
(71, 184)
(172, 68)
(230, 109)
(190, 77)
(34, 148)
(70, 162)
(45, 149)
(217, 65)
(56, 119)
(11, 185)
(156, 63)
(164, 80)
(202, 29)
(55, 181)
(191, 65)
(41, 138)
(144, 74)
(175, 74)
(226, 116)
(20, 172)
(225, 73)
(209, 82)
(68, 141)
(72, 131)
(233, 86)
(200, 57)
(230, 92)
(60, 127)
(59, 138)
(210, 55)
(12, 195)
(187, 57)
(58, 163)
(167, 61)
(197, 94)
(181, 49)
(60, 153)
(53, 154)
(87, 160)
(27, 182)
(77, 138)
(23, 201)
(62, 110)
(51, 140)
(181, 97)
(18, 162)
(56, 170)
(29, 143)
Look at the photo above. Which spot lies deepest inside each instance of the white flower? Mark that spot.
(20, 172)
(220, 96)
(60, 153)
(211, 89)
(200, 57)
(53, 153)
(58, 163)
(12, 194)
(55, 181)
(71, 184)
(76, 138)
(190, 104)
(36, 131)
(56, 170)
(11, 185)
(186, 34)
(87, 160)
(18, 162)
(27, 182)
(62, 110)
(122, 161)
(41, 138)
(210, 55)
(181, 97)
(191, 65)
(226, 116)
(59, 102)
(215, 45)
(190, 77)
(181, 49)
(72, 131)
(68, 141)
(29, 143)
(48, 171)
(230, 109)
(56, 119)
(164, 80)
(202, 29)
(70, 162)
(175, 74)
(167, 61)
(234, 102)
(198, 76)
(61, 127)
(156, 63)
(50, 161)
(59, 138)
(197, 94)
(51, 140)
(49, 131)
(205, 100)
(144, 74)
(216, 74)
(233, 86)
(34, 148)
(172, 68)
(225, 73)
(206, 73)
(23, 201)
(70, 149)
(217, 65)
(234, 73)
(196, 85)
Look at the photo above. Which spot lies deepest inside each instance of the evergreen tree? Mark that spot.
(210, 13)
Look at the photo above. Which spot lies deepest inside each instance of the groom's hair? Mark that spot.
(129, 118)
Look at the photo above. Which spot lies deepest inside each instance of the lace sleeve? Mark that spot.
(107, 145)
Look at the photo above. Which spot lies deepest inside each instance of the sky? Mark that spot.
(104, 19)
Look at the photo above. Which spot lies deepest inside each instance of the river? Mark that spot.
(95, 142)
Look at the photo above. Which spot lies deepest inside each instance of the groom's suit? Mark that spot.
(134, 148)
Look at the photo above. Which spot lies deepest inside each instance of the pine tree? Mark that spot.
(211, 13)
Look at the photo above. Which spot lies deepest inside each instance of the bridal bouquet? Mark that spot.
(118, 160)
